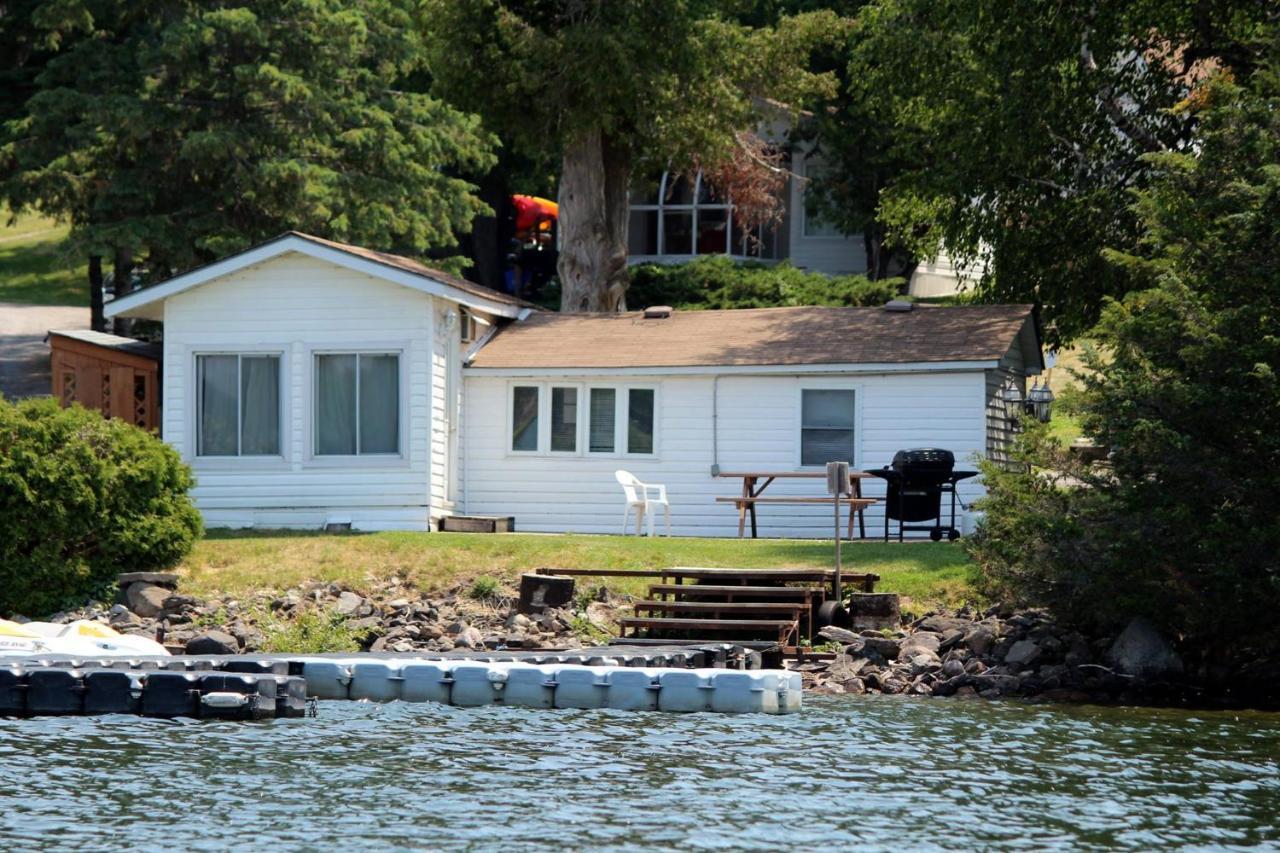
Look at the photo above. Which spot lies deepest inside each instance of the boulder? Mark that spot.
(875, 610)
(1022, 653)
(164, 579)
(884, 646)
(147, 600)
(213, 643)
(942, 624)
(1140, 651)
(348, 603)
(839, 635)
(979, 639)
(917, 643)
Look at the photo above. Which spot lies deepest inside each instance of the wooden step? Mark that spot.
(784, 627)
(715, 606)
(685, 590)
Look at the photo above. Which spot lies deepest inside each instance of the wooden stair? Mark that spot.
(786, 628)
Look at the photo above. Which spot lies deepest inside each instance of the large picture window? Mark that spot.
(683, 215)
(238, 401)
(827, 420)
(572, 419)
(357, 406)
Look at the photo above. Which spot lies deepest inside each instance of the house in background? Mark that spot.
(311, 383)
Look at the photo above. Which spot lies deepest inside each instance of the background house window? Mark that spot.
(524, 418)
(815, 224)
(602, 420)
(683, 215)
(357, 404)
(640, 420)
(239, 405)
(827, 418)
(564, 420)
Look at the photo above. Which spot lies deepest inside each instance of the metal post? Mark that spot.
(836, 581)
(838, 486)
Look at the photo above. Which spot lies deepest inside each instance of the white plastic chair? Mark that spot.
(638, 498)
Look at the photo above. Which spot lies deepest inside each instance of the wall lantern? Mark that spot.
(1011, 397)
(1040, 402)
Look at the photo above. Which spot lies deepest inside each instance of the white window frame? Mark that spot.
(193, 407)
(398, 459)
(621, 402)
(828, 385)
(662, 207)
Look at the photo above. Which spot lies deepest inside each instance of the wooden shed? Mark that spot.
(116, 375)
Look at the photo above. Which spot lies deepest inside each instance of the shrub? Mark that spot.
(483, 588)
(718, 282)
(310, 632)
(83, 498)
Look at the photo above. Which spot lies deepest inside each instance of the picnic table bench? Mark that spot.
(752, 489)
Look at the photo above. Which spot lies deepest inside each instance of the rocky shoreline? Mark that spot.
(993, 654)
(1028, 655)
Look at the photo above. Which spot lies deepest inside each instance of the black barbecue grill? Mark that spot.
(915, 483)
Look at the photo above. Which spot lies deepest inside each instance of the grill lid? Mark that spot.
(933, 459)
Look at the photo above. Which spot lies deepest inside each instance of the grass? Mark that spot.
(35, 267)
(239, 563)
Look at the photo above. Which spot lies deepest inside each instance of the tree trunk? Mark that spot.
(489, 242)
(97, 321)
(594, 178)
(122, 270)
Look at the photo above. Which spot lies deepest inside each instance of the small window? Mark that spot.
(239, 405)
(640, 420)
(466, 326)
(357, 408)
(524, 418)
(604, 403)
(827, 418)
(564, 420)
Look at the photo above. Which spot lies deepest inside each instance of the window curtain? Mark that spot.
(379, 403)
(335, 405)
(564, 419)
(603, 401)
(259, 406)
(217, 426)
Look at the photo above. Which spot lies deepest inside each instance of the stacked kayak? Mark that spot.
(82, 638)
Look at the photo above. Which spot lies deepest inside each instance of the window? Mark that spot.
(683, 215)
(827, 418)
(573, 419)
(640, 420)
(238, 405)
(604, 403)
(816, 225)
(524, 418)
(357, 407)
(564, 420)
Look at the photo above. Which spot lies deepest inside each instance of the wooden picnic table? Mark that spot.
(752, 488)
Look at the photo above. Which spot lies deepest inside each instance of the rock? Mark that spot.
(846, 668)
(979, 639)
(398, 604)
(950, 639)
(147, 600)
(457, 628)
(348, 603)
(470, 637)
(1022, 653)
(839, 635)
(924, 662)
(874, 610)
(164, 579)
(601, 616)
(1142, 652)
(952, 668)
(519, 622)
(942, 624)
(917, 643)
(883, 646)
(213, 643)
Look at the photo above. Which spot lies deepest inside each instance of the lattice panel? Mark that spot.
(68, 387)
(140, 401)
(106, 393)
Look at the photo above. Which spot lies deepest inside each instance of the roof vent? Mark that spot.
(657, 312)
(899, 306)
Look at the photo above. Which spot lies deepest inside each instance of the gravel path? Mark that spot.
(24, 356)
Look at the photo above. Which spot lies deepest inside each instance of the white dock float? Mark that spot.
(471, 683)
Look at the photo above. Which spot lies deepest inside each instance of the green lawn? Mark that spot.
(240, 562)
(35, 267)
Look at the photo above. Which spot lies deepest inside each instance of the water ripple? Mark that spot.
(868, 771)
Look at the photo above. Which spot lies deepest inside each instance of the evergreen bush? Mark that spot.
(718, 282)
(83, 498)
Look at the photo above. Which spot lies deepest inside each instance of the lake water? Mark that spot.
(872, 772)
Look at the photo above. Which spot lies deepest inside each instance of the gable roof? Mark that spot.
(762, 337)
(394, 268)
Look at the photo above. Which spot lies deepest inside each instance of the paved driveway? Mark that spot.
(24, 356)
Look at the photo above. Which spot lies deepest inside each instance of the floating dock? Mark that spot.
(719, 678)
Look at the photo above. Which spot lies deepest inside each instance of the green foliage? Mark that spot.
(484, 588)
(1023, 136)
(718, 282)
(83, 498)
(310, 632)
(1182, 525)
(185, 131)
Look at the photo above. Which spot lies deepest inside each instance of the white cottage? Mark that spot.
(309, 382)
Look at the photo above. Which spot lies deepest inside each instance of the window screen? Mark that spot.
(827, 421)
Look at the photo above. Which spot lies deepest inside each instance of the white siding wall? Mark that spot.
(837, 255)
(758, 430)
(294, 305)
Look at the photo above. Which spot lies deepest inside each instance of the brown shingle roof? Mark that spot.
(417, 268)
(757, 336)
